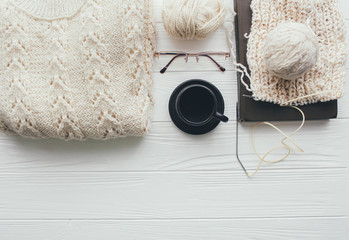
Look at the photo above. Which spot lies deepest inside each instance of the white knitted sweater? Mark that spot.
(75, 69)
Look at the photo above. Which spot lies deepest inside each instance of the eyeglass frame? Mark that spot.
(186, 55)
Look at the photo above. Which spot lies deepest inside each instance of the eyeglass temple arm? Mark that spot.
(169, 63)
(218, 65)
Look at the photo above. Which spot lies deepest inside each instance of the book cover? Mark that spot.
(250, 110)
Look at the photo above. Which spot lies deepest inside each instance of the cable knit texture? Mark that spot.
(76, 69)
(327, 23)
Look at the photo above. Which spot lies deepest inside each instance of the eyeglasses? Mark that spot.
(196, 55)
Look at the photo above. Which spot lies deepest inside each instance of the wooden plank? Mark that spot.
(163, 149)
(196, 229)
(173, 195)
(344, 5)
(168, 149)
(343, 102)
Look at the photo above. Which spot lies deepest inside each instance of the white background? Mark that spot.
(170, 185)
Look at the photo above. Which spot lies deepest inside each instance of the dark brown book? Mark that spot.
(250, 110)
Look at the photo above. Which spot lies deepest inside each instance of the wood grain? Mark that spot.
(168, 149)
(220, 229)
(170, 185)
(173, 195)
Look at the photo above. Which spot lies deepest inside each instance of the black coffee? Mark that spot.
(196, 104)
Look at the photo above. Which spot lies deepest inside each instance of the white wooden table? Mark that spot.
(170, 185)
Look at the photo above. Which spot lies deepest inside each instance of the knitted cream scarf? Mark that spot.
(76, 69)
(327, 22)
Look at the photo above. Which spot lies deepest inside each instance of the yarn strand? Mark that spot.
(230, 32)
(283, 145)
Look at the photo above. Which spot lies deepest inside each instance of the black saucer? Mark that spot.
(184, 126)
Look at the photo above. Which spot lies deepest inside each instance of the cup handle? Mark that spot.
(221, 117)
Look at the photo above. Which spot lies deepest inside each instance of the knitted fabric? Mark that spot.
(76, 69)
(327, 23)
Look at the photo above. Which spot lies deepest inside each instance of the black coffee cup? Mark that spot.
(197, 107)
(196, 104)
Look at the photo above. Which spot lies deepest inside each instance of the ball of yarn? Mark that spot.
(290, 50)
(192, 19)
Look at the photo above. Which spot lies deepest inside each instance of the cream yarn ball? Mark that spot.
(192, 19)
(290, 50)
